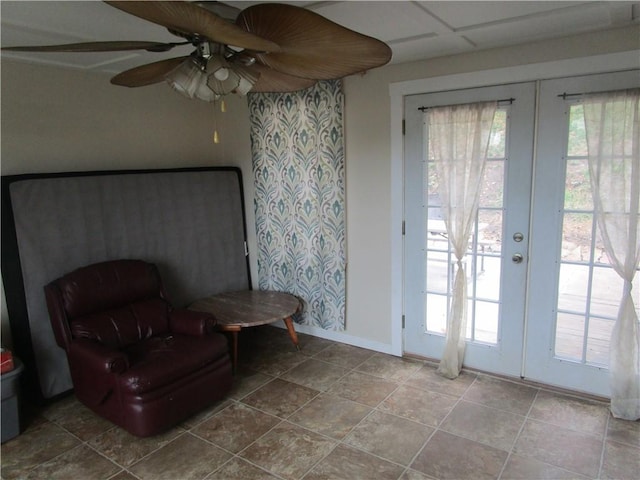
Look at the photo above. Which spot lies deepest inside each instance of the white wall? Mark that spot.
(56, 120)
(374, 299)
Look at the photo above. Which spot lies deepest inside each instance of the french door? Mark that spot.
(497, 256)
(574, 292)
(542, 297)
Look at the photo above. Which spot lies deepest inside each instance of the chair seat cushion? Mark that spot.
(161, 360)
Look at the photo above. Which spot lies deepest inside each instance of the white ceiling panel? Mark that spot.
(414, 30)
(464, 14)
(374, 18)
(564, 22)
(80, 20)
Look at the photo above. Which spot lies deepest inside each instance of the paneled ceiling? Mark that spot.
(414, 30)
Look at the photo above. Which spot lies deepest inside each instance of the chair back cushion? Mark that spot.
(124, 326)
(117, 302)
(108, 285)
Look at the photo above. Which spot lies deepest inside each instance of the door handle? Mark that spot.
(517, 258)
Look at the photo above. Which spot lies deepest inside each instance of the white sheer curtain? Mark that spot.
(612, 123)
(458, 140)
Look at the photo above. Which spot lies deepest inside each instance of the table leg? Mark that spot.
(233, 330)
(292, 333)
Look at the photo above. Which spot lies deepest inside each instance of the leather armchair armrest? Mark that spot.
(96, 357)
(190, 322)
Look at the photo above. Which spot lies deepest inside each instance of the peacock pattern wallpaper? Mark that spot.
(297, 146)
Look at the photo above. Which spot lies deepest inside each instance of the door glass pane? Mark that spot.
(482, 261)
(577, 185)
(436, 320)
(577, 229)
(606, 292)
(486, 324)
(569, 336)
(573, 286)
(589, 290)
(598, 340)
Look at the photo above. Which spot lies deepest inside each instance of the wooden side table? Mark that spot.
(250, 308)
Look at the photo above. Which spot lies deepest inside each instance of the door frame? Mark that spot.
(523, 73)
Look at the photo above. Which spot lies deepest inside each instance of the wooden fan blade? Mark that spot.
(191, 19)
(97, 47)
(272, 81)
(311, 46)
(147, 74)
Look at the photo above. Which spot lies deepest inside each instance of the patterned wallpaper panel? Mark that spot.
(297, 145)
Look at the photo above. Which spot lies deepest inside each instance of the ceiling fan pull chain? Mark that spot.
(223, 109)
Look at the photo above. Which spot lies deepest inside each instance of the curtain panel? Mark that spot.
(612, 125)
(297, 147)
(459, 141)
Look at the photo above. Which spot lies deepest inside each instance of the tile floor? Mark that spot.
(333, 411)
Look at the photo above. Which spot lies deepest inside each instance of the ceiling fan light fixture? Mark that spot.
(224, 87)
(186, 78)
(221, 74)
(219, 67)
(247, 80)
(203, 92)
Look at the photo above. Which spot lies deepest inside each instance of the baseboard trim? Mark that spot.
(342, 338)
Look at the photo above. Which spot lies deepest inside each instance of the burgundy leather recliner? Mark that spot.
(133, 358)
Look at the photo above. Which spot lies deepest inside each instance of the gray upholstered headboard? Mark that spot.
(189, 222)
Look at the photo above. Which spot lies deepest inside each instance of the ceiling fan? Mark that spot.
(267, 47)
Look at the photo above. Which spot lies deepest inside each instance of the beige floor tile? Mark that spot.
(570, 412)
(316, 374)
(280, 397)
(330, 415)
(201, 416)
(387, 366)
(364, 425)
(482, 424)
(501, 394)
(527, 468)
(310, 345)
(187, 458)
(418, 405)
(621, 462)
(346, 356)
(288, 450)
(624, 431)
(239, 469)
(81, 462)
(272, 362)
(388, 436)
(123, 475)
(73, 416)
(414, 475)
(567, 449)
(246, 381)
(60, 408)
(126, 449)
(348, 463)
(363, 388)
(34, 447)
(450, 457)
(426, 378)
(235, 427)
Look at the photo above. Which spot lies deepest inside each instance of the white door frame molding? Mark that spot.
(397, 91)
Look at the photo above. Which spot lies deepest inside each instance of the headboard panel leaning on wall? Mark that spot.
(189, 222)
